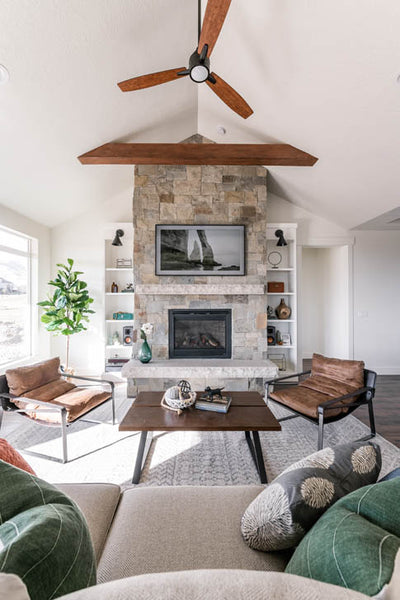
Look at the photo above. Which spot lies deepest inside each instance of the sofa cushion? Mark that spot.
(23, 379)
(44, 538)
(216, 585)
(77, 402)
(280, 516)
(354, 544)
(174, 528)
(348, 371)
(98, 503)
(12, 457)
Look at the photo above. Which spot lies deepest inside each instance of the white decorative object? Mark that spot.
(176, 400)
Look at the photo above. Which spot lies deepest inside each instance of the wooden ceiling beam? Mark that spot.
(198, 154)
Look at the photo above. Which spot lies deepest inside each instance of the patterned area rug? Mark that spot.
(179, 458)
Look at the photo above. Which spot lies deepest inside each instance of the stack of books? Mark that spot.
(218, 404)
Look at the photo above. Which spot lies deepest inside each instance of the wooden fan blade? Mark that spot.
(212, 24)
(229, 96)
(146, 81)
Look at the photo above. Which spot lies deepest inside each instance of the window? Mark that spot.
(17, 297)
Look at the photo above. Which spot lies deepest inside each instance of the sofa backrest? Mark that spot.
(24, 379)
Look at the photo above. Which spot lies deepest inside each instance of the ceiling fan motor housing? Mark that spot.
(199, 67)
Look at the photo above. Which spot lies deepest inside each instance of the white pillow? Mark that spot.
(12, 587)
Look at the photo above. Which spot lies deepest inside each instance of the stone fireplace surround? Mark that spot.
(181, 194)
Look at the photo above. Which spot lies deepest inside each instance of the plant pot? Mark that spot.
(144, 354)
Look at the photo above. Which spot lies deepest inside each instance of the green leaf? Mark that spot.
(46, 319)
(70, 261)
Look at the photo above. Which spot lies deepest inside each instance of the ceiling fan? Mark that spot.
(199, 62)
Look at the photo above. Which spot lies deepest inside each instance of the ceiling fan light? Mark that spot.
(199, 73)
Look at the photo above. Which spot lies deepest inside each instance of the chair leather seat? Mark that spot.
(77, 402)
(304, 400)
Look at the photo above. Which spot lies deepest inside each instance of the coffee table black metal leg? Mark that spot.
(257, 455)
(144, 447)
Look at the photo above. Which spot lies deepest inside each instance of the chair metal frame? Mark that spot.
(8, 405)
(365, 395)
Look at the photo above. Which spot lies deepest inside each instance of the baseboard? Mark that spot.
(386, 370)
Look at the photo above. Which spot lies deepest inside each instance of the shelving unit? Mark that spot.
(117, 301)
(285, 272)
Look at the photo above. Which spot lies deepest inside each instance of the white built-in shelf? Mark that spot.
(119, 268)
(119, 346)
(285, 271)
(120, 293)
(119, 320)
(281, 347)
(270, 321)
(288, 269)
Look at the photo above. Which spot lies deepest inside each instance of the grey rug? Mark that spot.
(179, 458)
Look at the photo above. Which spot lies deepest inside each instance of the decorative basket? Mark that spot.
(174, 399)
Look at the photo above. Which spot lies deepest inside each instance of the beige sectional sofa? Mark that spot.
(185, 542)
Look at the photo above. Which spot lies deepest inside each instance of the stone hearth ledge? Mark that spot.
(213, 368)
(201, 289)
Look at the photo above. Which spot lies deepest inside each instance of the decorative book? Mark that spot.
(220, 404)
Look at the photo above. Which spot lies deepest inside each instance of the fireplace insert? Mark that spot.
(200, 333)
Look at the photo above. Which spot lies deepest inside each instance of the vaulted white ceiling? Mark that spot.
(320, 75)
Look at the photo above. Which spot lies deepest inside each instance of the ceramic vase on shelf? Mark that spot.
(283, 311)
(144, 354)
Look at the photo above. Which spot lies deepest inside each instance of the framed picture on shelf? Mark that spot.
(285, 339)
(200, 250)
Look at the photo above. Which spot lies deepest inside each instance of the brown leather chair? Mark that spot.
(44, 394)
(330, 391)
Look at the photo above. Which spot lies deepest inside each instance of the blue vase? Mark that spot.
(144, 354)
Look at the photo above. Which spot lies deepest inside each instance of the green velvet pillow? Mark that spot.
(44, 538)
(354, 544)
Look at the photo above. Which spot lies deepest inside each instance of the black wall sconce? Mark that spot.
(117, 239)
(281, 240)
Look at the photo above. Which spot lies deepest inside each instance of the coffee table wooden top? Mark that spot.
(248, 412)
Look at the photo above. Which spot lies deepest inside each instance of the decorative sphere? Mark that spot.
(185, 387)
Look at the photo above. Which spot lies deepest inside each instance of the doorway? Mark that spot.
(325, 295)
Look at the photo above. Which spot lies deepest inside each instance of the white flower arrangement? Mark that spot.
(145, 330)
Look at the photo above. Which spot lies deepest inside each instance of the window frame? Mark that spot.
(32, 292)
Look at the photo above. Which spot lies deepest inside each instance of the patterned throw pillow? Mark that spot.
(281, 515)
(44, 538)
(355, 542)
(11, 456)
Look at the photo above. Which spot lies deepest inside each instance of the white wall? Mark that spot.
(374, 321)
(82, 239)
(16, 221)
(324, 308)
(377, 300)
(311, 320)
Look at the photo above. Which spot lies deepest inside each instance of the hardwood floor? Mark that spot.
(386, 406)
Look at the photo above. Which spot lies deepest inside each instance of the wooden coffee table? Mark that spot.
(248, 412)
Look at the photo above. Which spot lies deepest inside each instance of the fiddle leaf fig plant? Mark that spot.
(67, 309)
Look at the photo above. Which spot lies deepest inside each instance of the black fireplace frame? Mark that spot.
(210, 314)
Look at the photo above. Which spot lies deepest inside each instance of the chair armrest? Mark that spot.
(110, 383)
(49, 405)
(335, 402)
(269, 381)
